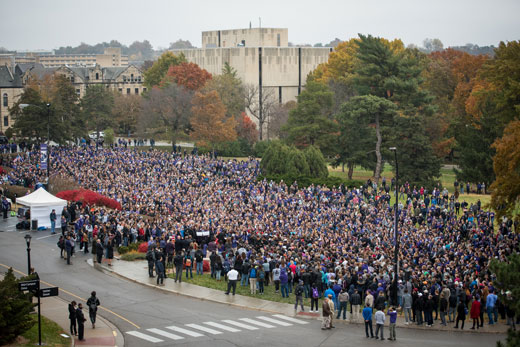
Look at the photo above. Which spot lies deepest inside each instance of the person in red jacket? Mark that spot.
(475, 311)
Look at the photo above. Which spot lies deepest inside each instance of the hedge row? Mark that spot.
(305, 181)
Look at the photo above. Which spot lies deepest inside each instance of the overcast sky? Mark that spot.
(49, 24)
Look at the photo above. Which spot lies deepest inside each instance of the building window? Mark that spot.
(278, 40)
(121, 90)
(139, 78)
(144, 90)
(124, 78)
(78, 91)
(136, 91)
(127, 90)
(6, 121)
(5, 99)
(132, 77)
(97, 75)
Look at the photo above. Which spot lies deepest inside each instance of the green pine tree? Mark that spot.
(14, 310)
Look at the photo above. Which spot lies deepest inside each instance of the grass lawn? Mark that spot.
(50, 334)
(269, 292)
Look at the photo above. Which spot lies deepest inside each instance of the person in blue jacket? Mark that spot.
(367, 317)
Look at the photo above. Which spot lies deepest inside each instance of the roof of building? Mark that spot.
(8, 80)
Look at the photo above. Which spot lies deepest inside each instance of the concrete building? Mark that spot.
(262, 59)
(111, 57)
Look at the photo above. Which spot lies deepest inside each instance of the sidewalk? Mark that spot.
(105, 334)
(137, 271)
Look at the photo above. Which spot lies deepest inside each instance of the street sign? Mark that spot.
(28, 285)
(46, 292)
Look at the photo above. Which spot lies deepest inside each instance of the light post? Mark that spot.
(28, 238)
(48, 142)
(396, 233)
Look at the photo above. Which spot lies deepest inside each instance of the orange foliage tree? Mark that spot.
(246, 128)
(188, 75)
(209, 122)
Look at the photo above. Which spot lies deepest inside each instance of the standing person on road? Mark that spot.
(68, 249)
(380, 323)
(367, 317)
(81, 322)
(326, 313)
(342, 299)
(393, 319)
(72, 317)
(178, 261)
(159, 268)
(298, 293)
(232, 276)
(407, 306)
(355, 306)
(53, 221)
(99, 251)
(93, 303)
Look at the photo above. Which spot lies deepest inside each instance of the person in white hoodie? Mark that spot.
(380, 323)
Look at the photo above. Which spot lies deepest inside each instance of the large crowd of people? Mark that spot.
(323, 241)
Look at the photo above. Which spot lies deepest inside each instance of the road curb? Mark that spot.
(412, 326)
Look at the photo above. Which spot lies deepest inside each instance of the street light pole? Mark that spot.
(28, 238)
(48, 142)
(396, 232)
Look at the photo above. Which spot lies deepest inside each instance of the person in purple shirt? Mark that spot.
(392, 312)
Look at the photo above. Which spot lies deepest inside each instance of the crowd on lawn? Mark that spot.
(312, 242)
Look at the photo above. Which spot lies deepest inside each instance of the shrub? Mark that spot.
(260, 148)
(131, 256)
(305, 181)
(89, 197)
(133, 246)
(13, 192)
(143, 247)
(109, 136)
(123, 249)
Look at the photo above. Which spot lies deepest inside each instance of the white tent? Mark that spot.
(41, 204)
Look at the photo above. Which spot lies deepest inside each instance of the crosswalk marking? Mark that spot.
(184, 331)
(240, 325)
(290, 319)
(222, 327)
(165, 334)
(275, 321)
(144, 336)
(200, 327)
(252, 321)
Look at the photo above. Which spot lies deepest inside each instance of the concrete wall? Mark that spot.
(254, 37)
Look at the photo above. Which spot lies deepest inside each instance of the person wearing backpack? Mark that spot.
(252, 279)
(261, 279)
(150, 257)
(93, 303)
(199, 258)
(315, 295)
(298, 293)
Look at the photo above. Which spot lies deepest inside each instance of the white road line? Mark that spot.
(252, 321)
(290, 319)
(184, 331)
(207, 330)
(165, 334)
(144, 336)
(240, 325)
(222, 327)
(275, 321)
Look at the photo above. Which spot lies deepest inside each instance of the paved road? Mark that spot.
(177, 320)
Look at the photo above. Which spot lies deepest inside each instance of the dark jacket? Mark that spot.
(356, 299)
(79, 316)
(72, 312)
(93, 304)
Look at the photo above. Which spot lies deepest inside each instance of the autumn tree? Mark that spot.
(155, 74)
(126, 112)
(188, 75)
(310, 123)
(230, 89)
(506, 164)
(209, 123)
(246, 128)
(166, 111)
(259, 108)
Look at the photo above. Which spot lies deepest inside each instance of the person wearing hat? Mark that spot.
(298, 293)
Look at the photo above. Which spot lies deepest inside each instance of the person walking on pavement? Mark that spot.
(81, 322)
(53, 221)
(72, 317)
(232, 276)
(380, 323)
(367, 316)
(178, 261)
(93, 303)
